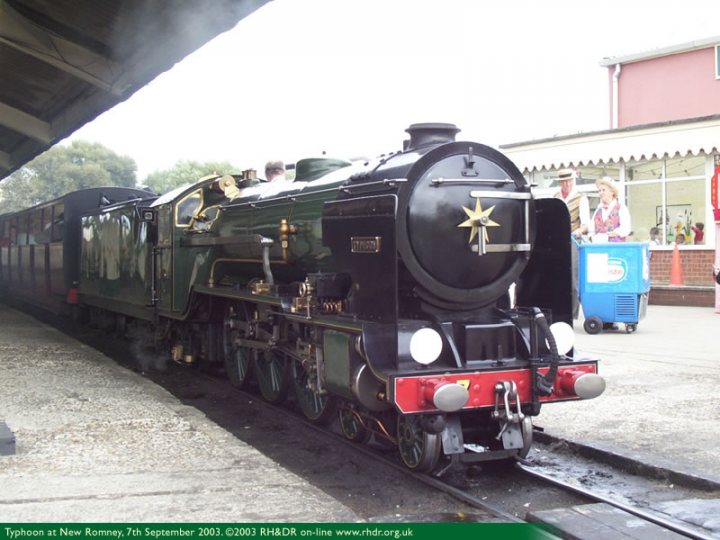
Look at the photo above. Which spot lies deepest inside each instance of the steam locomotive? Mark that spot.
(421, 298)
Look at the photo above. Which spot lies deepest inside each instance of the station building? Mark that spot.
(662, 147)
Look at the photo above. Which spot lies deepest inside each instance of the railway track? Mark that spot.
(474, 495)
(626, 518)
(511, 494)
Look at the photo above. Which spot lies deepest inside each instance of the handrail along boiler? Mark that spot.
(409, 296)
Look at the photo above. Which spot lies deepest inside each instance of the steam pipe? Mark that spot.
(266, 243)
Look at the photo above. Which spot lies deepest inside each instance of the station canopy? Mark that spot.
(693, 136)
(64, 62)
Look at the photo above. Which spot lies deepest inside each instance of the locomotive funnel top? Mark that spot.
(430, 133)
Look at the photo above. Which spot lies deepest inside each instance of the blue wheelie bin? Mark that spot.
(614, 282)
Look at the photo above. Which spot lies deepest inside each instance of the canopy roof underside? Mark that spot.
(652, 141)
(64, 62)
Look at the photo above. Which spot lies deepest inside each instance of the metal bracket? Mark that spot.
(505, 393)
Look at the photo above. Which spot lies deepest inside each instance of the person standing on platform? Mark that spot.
(577, 203)
(579, 208)
(611, 220)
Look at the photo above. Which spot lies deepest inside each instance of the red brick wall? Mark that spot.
(682, 296)
(697, 266)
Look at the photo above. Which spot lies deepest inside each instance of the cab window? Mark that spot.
(188, 207)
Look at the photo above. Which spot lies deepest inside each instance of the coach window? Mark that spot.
(22, 230)
(35, 226)
(188, 207)
(13, 232)
(58, 222)
(5, 233)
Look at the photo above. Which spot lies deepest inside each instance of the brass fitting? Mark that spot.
(285, 230)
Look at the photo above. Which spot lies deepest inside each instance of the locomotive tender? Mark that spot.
(409, 296)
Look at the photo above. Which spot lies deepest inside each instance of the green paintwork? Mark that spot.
(301, 203)
(180, 266)
(336, 346)
(190, 249)
(115, 258)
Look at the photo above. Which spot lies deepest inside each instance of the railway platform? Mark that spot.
(661, 404)
(95, 442)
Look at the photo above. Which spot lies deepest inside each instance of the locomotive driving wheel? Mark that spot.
(318, 408)
(271, 372)
(352, 425)
(237, 359)
(419, 450)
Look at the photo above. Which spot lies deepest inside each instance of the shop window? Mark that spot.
(544, 179)
(588, 175)
(669, 196)
(685, 167)
(645, 204)
(685, 209)
(644, 170)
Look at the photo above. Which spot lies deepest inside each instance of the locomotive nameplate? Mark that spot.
(365, 244)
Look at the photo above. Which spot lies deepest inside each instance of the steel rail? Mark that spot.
(653, 518)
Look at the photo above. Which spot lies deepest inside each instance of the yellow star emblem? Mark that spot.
(476, 218)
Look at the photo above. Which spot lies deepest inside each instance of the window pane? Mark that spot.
(35, 226)
(58, 224)
(588, 175)
(646, 170)
(686, 204)
(187, 208)
(645, 204)
(22, 229)
(682, 167)
(545, 179)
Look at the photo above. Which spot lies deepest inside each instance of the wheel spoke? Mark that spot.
(237, 359)
(316, 407)
(419, 449)
(271, 375)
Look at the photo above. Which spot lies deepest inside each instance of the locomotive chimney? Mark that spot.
(430, 133)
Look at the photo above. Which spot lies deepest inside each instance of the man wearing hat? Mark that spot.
(579, 209)
(577, 204)
(274, 170)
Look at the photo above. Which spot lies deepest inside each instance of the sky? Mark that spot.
(346, 77)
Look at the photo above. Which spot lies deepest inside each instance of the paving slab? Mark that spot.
(662, 402)
(96, 442)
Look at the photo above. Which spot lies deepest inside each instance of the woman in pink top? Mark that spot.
(611, 220)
